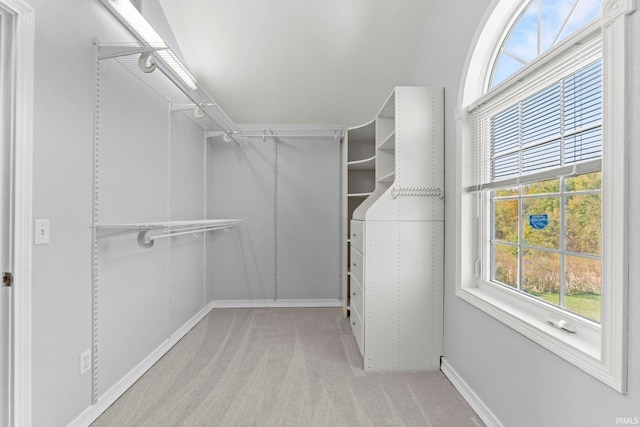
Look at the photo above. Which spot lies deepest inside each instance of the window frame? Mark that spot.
(600, 350)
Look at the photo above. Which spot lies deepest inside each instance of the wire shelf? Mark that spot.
(265, 131)
(197, 104)
(164, 229)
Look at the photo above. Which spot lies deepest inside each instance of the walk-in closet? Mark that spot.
(361, 213)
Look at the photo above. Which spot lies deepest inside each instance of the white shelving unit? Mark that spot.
(359, 168)
(395, 236)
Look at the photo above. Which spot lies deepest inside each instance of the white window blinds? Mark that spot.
(558, 126)
(543, 128)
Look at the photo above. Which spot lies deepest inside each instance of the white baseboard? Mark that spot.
(291, 303)
(107, 399)
(470, 396)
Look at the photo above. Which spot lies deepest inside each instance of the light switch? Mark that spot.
(41, 232)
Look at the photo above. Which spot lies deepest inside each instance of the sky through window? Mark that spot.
(543, 25)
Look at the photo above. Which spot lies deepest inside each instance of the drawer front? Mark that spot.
(357, 235)
(358, 329)
(357, 266)
(357, 295)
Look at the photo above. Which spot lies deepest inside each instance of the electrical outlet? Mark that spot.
(85, 362)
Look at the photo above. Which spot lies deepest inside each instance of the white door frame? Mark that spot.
(18, 18)
(5, 232)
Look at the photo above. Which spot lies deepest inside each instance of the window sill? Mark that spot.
(529, 317)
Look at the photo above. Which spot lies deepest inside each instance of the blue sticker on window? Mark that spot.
(538, 221)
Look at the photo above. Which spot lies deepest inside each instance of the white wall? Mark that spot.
(144, 294)
(132, 187)
(522, 383)
(64, 90)
(187, 265)
(287, 248)
(240, 263)
(308, 218)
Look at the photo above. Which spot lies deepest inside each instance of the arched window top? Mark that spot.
(542, 25)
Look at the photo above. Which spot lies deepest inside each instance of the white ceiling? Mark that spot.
(298, 61)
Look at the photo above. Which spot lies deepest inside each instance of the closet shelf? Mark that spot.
(365, 164)
(358, 195)
(388, 110)
(196, 103)
(165, 229)
(389, 142)
(388, 178)
(302, 131)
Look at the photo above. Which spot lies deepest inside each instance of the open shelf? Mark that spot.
(388, 110)
(389, 143)
(388, 178)
(361, 150)
(386, 164)
(359, 195)
(365, 164)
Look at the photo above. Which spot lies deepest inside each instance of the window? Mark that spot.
(545, 235)
(555, 255)
(541, 237)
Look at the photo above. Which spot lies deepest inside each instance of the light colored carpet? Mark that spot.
(281, 367)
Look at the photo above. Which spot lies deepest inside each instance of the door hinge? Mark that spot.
(7, 279)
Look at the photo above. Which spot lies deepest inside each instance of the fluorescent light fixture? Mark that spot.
(140, 28)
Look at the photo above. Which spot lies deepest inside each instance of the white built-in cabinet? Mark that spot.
(394, 242)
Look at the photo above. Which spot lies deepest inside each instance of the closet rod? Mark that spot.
(148, 241)
(188, 226)
(265, 131)
(336, 137)
(199, 97)
(201, 104)
(166, 60)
